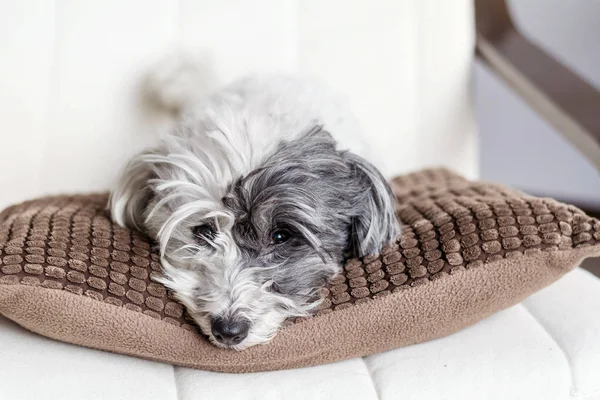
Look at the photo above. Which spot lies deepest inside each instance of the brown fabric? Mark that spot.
(467, 250)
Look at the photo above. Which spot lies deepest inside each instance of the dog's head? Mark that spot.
(245, 251)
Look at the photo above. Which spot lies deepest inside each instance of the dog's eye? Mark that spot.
(204, 232)
(275, 287)
(280, 236)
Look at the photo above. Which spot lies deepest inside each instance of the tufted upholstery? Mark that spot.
(450, 224)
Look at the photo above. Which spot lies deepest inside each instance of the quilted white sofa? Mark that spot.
(70, 115)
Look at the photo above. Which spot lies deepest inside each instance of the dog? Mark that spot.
(254, 198)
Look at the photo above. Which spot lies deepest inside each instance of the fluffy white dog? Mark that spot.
(253, 200)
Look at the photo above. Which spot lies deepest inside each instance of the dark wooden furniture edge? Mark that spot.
(553, 90)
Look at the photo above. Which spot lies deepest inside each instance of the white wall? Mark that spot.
(518, 147)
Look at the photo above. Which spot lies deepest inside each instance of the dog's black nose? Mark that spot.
(230, 331)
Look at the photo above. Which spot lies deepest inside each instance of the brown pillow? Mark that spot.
(467, 251)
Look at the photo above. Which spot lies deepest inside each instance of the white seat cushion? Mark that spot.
(545, 348)
(33, 367)
(569, 311)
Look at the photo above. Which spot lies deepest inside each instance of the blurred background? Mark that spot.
(544, 163)
(569, 31)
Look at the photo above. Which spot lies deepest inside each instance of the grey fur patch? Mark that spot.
(332, 202)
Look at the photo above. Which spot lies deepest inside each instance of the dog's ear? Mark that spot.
(374, 222)
(132, 194)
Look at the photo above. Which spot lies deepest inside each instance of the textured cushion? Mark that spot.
(468, 250)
